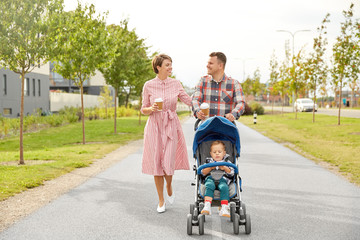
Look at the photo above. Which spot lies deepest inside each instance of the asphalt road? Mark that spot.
(287, 196)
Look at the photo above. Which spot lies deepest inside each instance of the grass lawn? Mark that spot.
(323, 140)
(59, 150)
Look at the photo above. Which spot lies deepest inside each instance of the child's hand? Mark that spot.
(224, 168)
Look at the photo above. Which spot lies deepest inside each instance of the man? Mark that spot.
(222, 93)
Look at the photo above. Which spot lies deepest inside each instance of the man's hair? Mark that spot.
(158, 60)
(218, 142)
(220, 56)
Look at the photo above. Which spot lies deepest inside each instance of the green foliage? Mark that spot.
(24, 39)
(256, 107)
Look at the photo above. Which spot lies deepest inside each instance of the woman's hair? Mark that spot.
(158, 60)
(220, 56)
(218, 142)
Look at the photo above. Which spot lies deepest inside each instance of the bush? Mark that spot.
(248, 110)
(256, 107)
(253, 107)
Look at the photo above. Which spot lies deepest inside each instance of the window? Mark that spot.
(34, 86)
(7, 111)
(39, 90)
(27, 87)
(5, 85)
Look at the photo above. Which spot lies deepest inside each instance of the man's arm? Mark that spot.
(197, 99)
(239, 100)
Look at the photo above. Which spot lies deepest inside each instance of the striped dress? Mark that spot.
(164, 143)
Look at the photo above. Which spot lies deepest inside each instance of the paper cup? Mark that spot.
(159, 102)
(204, 107)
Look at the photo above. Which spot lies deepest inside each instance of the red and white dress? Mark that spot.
(164, 143)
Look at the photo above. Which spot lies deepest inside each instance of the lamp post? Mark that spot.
(293, 36)
(293, 43)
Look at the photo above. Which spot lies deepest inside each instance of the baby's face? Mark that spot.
(217, 152)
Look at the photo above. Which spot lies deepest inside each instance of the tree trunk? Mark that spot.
(82, 110)
(21, 162)
(352, 98)
(296, 94)
(116, 94)
(340, 96)
(272, 105)
(127, 97)
(140, 109)
(314, 103)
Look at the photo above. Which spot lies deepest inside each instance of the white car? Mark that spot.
(305, 105)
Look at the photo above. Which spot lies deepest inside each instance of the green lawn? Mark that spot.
(323, 140)
(60, 150)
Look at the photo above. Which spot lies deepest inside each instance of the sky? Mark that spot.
(246, 31)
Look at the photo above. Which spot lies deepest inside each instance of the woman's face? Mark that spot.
(166, 68)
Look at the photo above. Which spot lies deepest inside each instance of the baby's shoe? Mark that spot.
(207, 208)
(225, 211)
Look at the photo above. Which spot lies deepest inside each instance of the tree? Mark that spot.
(130, 64)
(344, 55)
(316, 68)
(81, 47)
(106, 98)
(284, 76)
(24, 33)
(274, 78)
(297, 73)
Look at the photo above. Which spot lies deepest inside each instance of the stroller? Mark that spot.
(217, 128)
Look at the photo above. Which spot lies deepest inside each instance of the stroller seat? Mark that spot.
(204, 149)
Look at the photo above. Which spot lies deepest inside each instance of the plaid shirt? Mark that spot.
(224, 97)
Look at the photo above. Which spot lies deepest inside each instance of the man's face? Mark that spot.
(213, 65)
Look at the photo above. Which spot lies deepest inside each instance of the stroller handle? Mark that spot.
(196, 125)
(214, 164)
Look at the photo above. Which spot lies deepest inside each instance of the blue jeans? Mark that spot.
(222, 187)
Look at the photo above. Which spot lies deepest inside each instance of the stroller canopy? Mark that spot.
(217, 128)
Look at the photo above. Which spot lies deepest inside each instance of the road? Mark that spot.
(345, 112)
(287, 196)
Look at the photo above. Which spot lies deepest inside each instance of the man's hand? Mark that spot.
(230, 117)
(200, 115)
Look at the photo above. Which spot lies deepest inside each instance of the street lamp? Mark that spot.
(293, 36)
(243, 63)
(293, 40)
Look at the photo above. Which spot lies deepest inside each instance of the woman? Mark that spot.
(164, 143)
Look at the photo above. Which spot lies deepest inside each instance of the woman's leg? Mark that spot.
(159, 183)
(168, 179)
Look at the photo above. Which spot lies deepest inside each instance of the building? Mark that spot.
(40, 86)
(36, 92)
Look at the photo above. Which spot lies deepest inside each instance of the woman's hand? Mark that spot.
(151, 109)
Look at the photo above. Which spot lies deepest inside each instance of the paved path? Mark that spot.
(287, 196)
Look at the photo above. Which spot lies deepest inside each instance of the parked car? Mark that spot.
(305, 105)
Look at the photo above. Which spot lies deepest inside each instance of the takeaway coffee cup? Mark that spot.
(205, 109)
(159, 102)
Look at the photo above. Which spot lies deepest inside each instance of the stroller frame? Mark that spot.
(238, 215)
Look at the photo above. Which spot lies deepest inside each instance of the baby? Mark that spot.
(218, 154)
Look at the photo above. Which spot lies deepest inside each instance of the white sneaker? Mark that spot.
(225, 211)
(161, 209)
(171, 198)
(207, 209)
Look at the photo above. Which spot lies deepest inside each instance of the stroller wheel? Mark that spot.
(192, 207)
(201, 224)
(243, 206)
(236, 223)
(247, 224)
(232, 211)
(189, 224)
